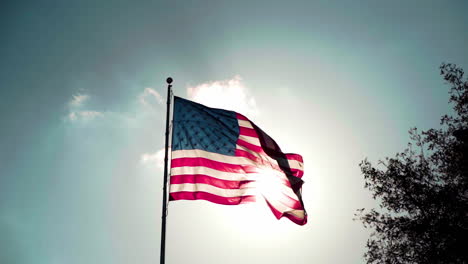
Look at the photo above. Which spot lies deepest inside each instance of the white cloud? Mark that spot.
(84, 115)
(154, 159)
(77, 113)
(143, 97)
(78, 100)
(226, 94)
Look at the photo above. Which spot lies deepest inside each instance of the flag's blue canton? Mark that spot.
(199, 127)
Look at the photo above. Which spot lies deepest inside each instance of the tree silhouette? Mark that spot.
(422, 191)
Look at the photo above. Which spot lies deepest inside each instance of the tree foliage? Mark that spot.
(422, 191)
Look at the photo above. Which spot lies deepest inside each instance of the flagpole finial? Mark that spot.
(169, 80)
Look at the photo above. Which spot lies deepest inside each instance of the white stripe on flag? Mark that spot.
(245, 123)
(209, 172)
(200, 187)
(252, 140)
(198, 153)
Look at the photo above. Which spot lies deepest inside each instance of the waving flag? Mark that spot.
(222, 157)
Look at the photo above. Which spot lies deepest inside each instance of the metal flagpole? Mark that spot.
(164, 202)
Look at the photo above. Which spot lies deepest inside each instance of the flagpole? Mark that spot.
(164, 202)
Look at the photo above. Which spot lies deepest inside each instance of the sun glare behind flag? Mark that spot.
(222, 157)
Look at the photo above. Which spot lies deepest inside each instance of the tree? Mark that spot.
(422, 191)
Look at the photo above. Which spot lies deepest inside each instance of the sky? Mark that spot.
(82, 112)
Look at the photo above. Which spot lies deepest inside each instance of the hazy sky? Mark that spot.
(82, 85)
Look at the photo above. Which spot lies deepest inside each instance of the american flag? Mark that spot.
(222, 157)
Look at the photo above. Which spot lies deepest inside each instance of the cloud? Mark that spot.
(154, 159)
(84, 115)
(226, 94)
(77, 113)
(150, 92)
(78, 100)
(79, 109)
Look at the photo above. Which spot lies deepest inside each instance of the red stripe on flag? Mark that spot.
(241, 117)
(221, 166)
(247, 132)
(205, 179)
(211, 198)
(295, 172)
(279, 155)
(252, 147)
(294, 157)
(250, 156)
